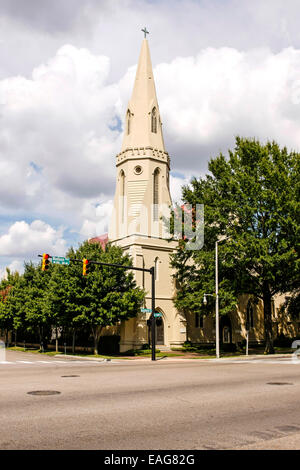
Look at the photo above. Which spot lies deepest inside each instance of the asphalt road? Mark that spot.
(170, 404)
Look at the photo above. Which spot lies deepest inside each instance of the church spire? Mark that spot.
(142, 122)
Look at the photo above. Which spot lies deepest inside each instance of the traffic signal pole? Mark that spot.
(152, 272)
(153, 320)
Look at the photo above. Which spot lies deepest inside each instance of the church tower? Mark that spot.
(142, 199)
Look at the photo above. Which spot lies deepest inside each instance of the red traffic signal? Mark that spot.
(85, 266)
(45, 262)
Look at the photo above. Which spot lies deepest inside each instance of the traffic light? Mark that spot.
(45, 262)
(85, 266)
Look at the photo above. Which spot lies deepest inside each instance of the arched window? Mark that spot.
(226, 335)
(155, 193)
(128, 121)
(199, 320)
(153, 121)
(249, 319)
(156, 267)
(122, 194)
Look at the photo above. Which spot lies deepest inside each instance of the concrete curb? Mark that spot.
(83, 357)
(179, 358)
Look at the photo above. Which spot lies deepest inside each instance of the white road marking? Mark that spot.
(254, 361)
(19, 362)
(26, 362)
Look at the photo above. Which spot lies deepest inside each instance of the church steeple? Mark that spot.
(142, 189)
(142, 207)
(142, 121)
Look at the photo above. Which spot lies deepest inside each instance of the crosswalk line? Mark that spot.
(25, 362)
(58, 362)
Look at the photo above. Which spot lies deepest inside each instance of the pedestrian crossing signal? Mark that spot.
(85, 266)
(45, 262)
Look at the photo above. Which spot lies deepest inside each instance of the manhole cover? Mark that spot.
(70, 375)
(279, 383)
(44, 392)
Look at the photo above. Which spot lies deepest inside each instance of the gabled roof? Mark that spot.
(102, 240)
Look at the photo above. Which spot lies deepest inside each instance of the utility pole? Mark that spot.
(153, 319)
(217, 307)
(217, 297)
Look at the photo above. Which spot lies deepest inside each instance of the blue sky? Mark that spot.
(222, 68)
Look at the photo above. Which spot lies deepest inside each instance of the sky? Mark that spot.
(222, 68)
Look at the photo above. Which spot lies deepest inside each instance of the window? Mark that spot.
(128, 121)
(226, 335)
(156, 266)
(274, 309)
(122, 193)
(138, 170)
(155, 193)
(153, 121)
(198, 320)
(249, 316)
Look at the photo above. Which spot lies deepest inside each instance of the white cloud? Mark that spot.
(224, 92)
(29, 240)
(59, 120)
(96, 219)
(15, 265)
(59, 138)
(176, 184)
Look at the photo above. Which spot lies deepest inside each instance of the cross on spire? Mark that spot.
(145, 32)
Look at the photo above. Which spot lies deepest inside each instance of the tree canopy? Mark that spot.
(63, 297)
(251, 197)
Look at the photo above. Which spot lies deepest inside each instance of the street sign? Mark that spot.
(60, 260)
(146, 310)
(157, 314)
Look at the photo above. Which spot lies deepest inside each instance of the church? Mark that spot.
(142, 199)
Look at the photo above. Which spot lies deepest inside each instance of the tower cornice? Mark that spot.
(138, 153)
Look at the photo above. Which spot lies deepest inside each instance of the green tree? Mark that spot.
(102, 298)
(6, 314)
(25, 304)
(253, 198)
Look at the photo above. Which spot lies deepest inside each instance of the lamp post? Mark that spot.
(217, 297)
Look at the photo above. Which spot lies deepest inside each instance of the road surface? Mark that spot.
(170, 404)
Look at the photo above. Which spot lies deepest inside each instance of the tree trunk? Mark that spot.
(56, 339)
(73, 341)
(41, 337)
(96, 333)
(96, 344)
(267, 298)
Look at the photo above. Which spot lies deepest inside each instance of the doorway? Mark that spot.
(160, 338)
(225, 330)
(160, 334)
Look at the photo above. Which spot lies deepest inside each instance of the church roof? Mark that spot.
(101, 239)
(138, 132)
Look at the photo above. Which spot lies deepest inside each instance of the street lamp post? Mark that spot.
(217, 298)
(217, 306)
